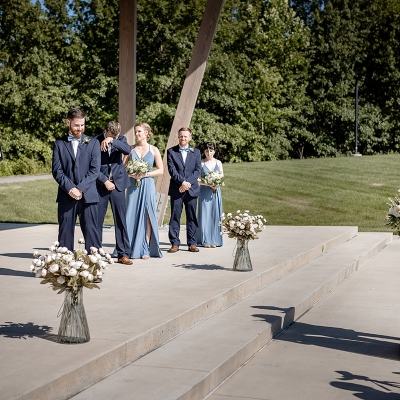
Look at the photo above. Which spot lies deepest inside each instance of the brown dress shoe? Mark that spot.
(173, 249)
(193, 248)
(125, 260)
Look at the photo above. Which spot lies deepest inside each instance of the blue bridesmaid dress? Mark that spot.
(209, 213)
(141, 202)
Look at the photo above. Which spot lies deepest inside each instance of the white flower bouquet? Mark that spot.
(213, 178)
(137, 167)
(393, 216)
(67, 270)
(242, 225)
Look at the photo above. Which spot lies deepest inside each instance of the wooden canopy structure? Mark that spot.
(190, 90)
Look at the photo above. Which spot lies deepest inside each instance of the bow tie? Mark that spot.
(183, 148)
(71, 138)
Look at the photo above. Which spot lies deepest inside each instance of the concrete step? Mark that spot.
(138, 309)
(346, 347)
(196, 362)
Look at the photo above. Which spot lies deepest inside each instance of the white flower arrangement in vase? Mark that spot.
(242, 225)
(67, 270)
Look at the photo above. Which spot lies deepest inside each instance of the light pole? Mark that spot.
(356, 153)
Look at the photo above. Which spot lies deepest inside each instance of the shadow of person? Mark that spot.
(365, 392)
(17, 330)
(18, 255)
(348, 376)
(13, 272)
(342, 339)
(284, 317)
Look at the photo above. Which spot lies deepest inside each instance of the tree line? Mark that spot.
(279, 82)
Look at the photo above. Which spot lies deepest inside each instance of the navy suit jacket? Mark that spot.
(113, 161)
(80, 172)
(189, 171)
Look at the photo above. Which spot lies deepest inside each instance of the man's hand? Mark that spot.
(109, 185)
(105, 143)
(75, 193)
(186, 185)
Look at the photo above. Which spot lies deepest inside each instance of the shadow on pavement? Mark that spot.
(208, 267)
(17, 330)
(366, 392)
(13, 272)
(348, 340)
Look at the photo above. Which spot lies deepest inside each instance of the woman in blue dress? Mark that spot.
(141, 219)
(209, 203)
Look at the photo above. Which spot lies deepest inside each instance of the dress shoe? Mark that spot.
(193, 248)
(125, 260)
(173, 249)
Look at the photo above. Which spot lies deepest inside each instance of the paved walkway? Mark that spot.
(23, 178)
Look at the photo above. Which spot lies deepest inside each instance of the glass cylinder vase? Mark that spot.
(242, 260)
(73, 326)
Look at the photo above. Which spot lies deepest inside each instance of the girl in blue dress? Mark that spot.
(209, 203)
(141, 219)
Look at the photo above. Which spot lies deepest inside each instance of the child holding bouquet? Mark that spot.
(210, 200)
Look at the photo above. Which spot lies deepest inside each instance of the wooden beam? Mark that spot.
(127, 67)
(190, 90)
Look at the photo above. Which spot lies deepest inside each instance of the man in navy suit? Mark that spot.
(76, 166)
(184, 166)
(111, 184)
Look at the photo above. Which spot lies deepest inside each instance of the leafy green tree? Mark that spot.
(34, 72)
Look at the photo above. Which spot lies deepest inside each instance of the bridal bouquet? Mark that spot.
(137, 167)
(393, 216)
(64, 269)
(213, 178)
(242, 226)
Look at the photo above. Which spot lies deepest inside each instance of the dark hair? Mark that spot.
(209, 145)
(114, 128)
(75, 113)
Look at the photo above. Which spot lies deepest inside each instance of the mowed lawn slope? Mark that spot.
(329, 191)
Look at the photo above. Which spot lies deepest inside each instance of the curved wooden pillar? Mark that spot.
(190, 91)
(127, 68)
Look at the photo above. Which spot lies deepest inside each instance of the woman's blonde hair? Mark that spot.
(147, 128)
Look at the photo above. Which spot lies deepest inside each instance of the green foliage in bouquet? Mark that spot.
(393, 216)
(67, 270)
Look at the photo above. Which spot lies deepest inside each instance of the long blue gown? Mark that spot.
(141, 202)
(209, 213)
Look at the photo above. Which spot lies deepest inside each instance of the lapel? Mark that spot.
(80, 148)
(179, 155)
(69, 147)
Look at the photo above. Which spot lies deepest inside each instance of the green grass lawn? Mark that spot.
(329, 191)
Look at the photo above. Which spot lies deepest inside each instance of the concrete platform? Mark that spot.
(346, 347)
(139, 308)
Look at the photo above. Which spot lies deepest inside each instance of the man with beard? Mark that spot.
(76, 166)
